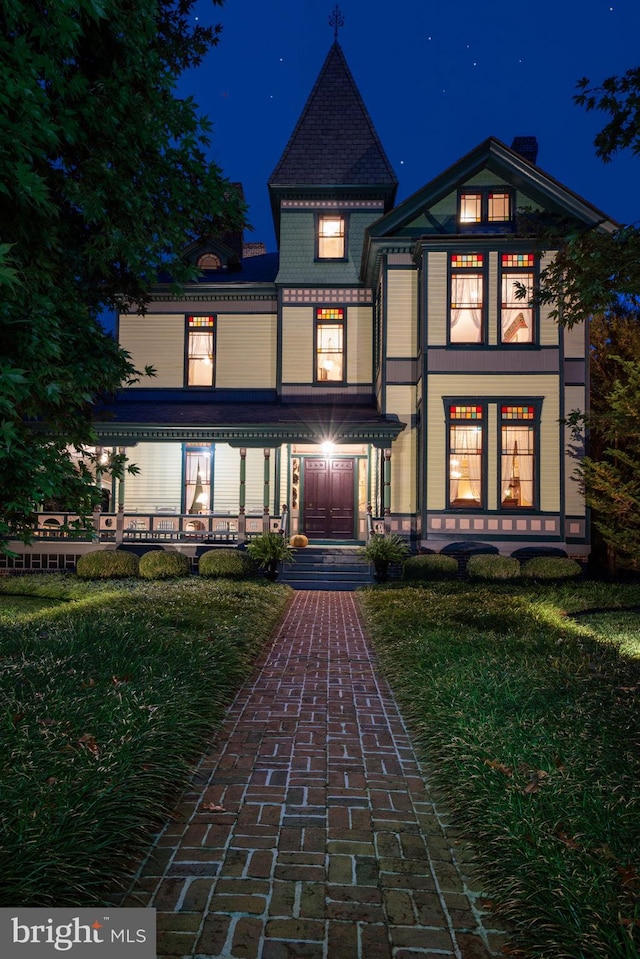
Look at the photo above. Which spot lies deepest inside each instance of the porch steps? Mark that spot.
(327, 567)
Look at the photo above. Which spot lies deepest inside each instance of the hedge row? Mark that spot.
(491, 566)
(162, 564)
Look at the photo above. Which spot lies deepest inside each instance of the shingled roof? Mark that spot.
(334, 142)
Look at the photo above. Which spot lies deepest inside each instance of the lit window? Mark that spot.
(517, 456)
(516, 313)
(329, 345)
(200, 358)
(465, 457)
(197, 482)
(486, 209)
(498, 207)
(466, 313)
(331, 237)
(209, 261)
(471, 207)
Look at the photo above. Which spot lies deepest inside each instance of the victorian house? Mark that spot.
(380, 372)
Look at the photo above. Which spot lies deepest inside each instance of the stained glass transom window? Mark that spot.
(466, 260)
(466, 412)
(518, 413)
(523, 260)
(200, 321)
(329, 313)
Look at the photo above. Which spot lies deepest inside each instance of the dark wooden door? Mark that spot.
(329, 497)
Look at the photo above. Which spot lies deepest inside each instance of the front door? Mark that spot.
(329, 496)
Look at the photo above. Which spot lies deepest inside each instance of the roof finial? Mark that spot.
(336, 20)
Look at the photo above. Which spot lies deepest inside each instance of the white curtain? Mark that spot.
(466, 308)
(330, 351)
(517, 471)
(465, 466)
(200, 359)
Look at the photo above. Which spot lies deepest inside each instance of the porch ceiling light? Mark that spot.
(328, 447)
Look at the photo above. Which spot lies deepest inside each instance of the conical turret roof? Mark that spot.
(334, 142)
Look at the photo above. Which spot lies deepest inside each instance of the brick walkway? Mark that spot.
(309, 832)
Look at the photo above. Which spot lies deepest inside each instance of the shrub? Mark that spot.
(269, 548)
(227, 563)
(430, 566)
(385, 548)
(107, 564)
(492, 566)
(551, 568)
(162, 564)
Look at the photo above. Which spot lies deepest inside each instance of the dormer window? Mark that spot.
(486, 209)
(209, 261)
(331, 237)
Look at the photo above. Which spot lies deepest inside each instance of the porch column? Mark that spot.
(98, 507)
(242, 520)
(386, 489)
(120, 516)
(265, 498)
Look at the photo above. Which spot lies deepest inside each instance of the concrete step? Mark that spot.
(327, 568)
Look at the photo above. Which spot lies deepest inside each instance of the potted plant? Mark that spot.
(268, 550)
(382, 550)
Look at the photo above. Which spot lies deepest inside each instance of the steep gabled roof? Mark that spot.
(506, 163)
(334, 141)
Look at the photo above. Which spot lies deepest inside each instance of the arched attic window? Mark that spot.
(209, 261)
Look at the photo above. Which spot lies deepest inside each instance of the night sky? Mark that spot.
(437, 79)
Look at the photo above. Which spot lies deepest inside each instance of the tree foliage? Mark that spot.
(610, 474)
(104, 179)
(595, 268)
(619, 97)
(595, 278)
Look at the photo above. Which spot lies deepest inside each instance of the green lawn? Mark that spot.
(528, 721)
(106, 701)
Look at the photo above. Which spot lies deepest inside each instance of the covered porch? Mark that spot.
(223, 473)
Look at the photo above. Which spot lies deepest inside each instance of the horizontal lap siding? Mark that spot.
(549, 334)
(402, 313)
(155, 340)
(226, 491)
(437, 299)
(575, 399)
(359, 344)
(246, 351)
(574, 341)
(159, 482)
(297, 345)
(401, 400)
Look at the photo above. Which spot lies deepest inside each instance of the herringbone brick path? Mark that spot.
(309, 831)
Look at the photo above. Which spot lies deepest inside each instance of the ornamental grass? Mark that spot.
(528, 721)
(107, 701)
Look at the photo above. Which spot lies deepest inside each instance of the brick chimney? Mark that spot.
(527, 147)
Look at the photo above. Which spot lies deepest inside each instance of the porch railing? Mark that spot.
(161, 526)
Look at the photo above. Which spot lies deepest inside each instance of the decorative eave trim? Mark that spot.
(379, 435)
(319, 204)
